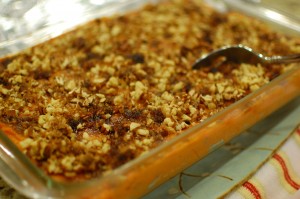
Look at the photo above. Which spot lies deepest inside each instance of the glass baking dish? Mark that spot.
(145, 173)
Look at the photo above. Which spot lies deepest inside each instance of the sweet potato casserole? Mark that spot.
(103, 94)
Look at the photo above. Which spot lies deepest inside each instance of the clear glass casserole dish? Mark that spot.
(148, 171)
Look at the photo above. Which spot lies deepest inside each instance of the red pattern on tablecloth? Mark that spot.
(251, 188)
(282, 170)
(286, 172)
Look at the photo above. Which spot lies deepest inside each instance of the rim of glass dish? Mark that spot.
(59, 189)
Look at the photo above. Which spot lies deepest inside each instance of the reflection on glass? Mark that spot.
(12, 21)
(19, 18)
(24, 23)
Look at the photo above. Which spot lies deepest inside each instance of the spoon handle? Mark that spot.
(283, 59)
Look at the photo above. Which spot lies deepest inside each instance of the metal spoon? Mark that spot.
(242, 54)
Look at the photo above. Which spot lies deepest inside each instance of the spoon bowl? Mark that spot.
(242, 54)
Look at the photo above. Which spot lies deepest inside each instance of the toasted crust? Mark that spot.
(97, 97)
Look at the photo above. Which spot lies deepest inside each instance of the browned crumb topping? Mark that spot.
(95, 98)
